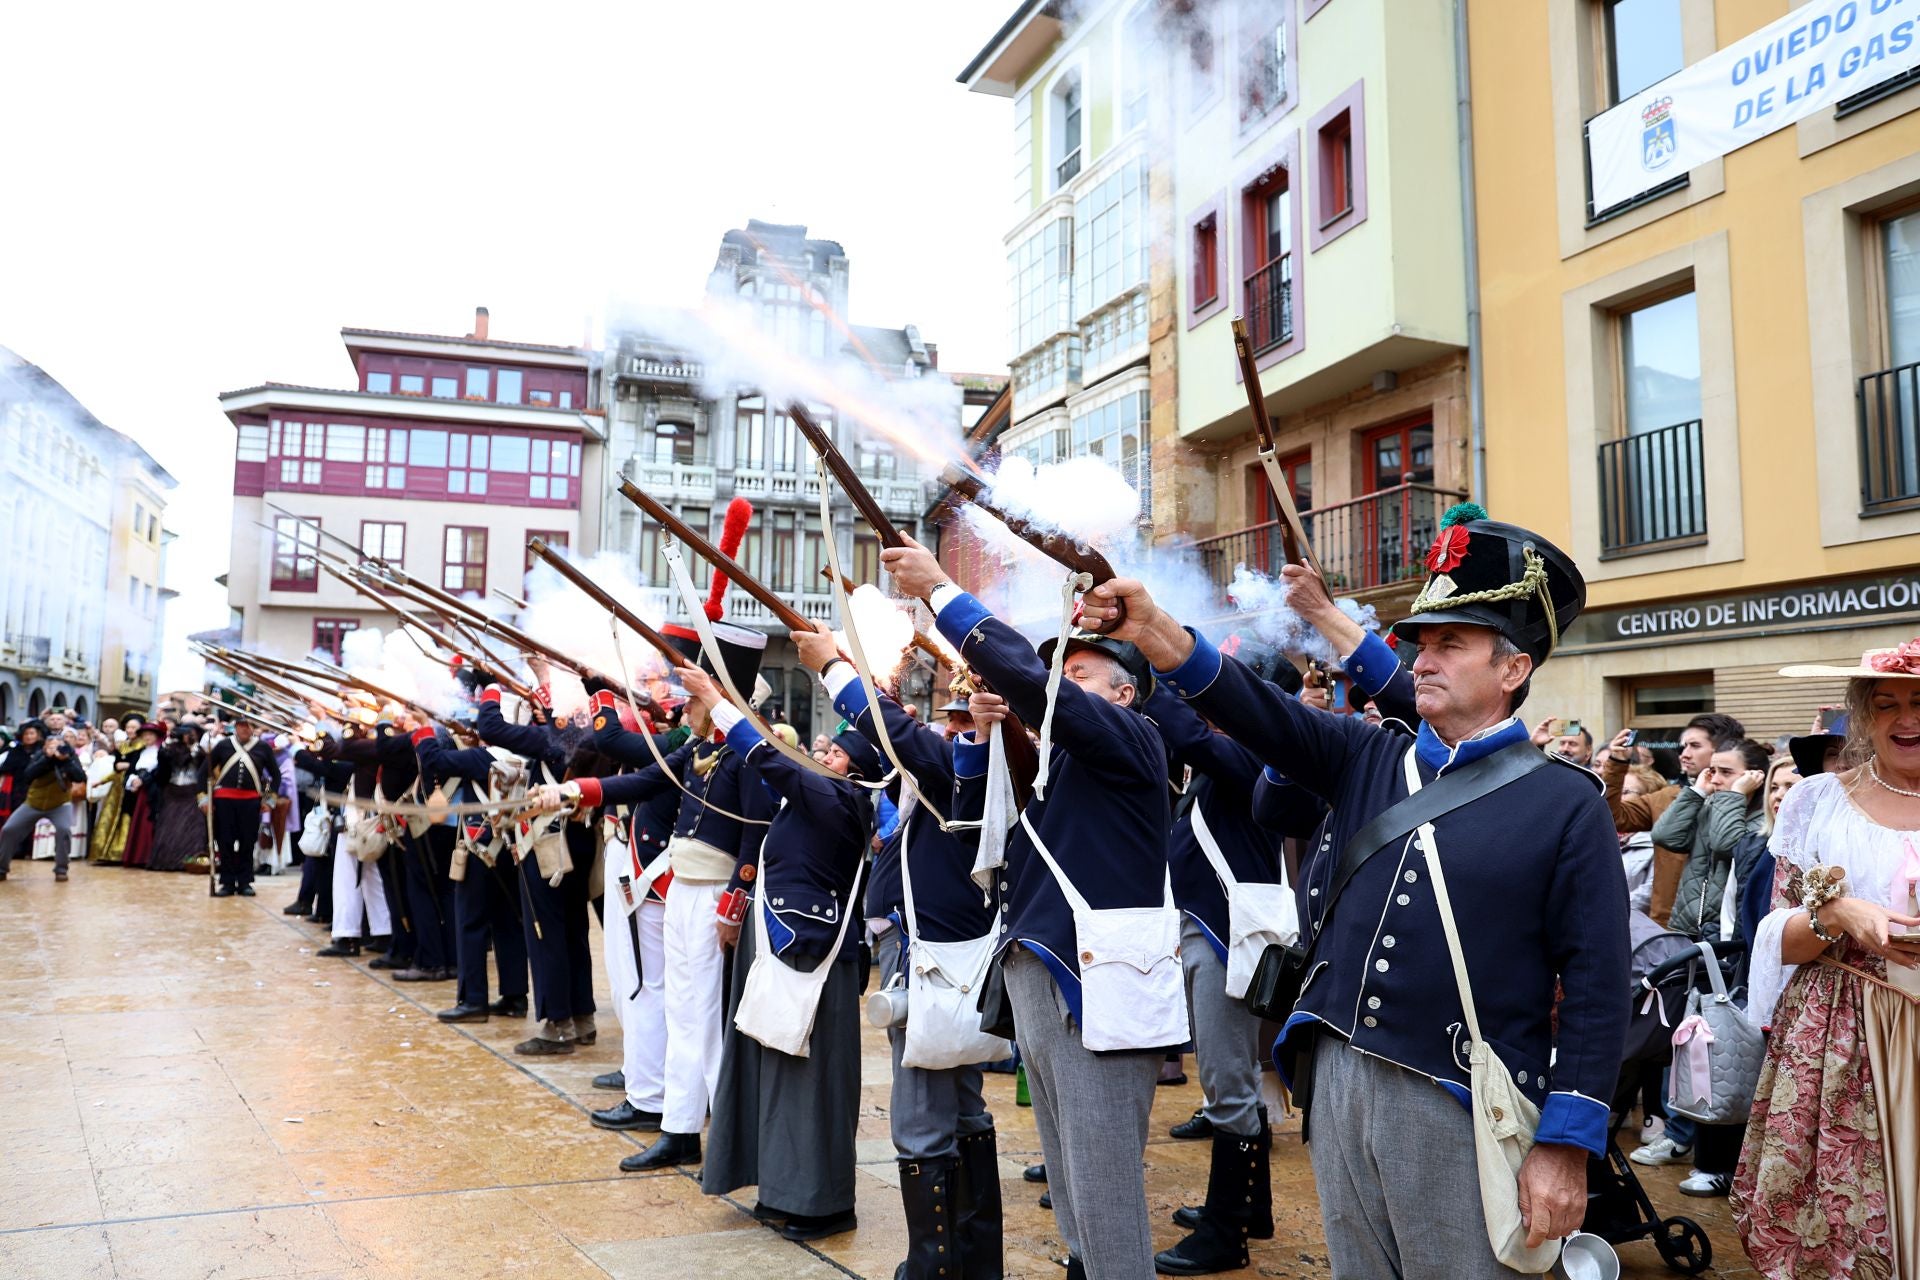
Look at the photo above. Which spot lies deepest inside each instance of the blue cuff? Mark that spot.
(1372, 664)
(743, 737)
(1201, 668)
(960, 616)
(1574, 1120)
(852, 700)
(969, 758)
(1275, 778)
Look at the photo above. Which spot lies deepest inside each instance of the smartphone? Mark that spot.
(1558, 728)
(1633, 737)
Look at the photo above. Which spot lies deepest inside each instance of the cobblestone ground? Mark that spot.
(187, 1091)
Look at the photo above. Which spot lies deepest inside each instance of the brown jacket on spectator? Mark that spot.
(1639, 813)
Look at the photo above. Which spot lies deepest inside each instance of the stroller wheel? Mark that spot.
(1684, 1246)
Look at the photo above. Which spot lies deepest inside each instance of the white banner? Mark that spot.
(1805, 62)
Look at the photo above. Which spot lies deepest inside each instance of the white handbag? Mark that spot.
(1504, 1118)
(1259, 915)
(1132, 994)
(943, 990)
(778, 1002)
(316, 832)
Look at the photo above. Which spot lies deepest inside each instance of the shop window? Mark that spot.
(1658, 707)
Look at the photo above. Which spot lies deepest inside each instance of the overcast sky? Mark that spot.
(199, 197)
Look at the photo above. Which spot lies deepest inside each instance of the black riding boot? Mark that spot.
(1219, 1241)
(976, 1208)
(926, 1191)
(1260, 1224)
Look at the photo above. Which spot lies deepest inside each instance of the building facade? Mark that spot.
(78, 599)
(1738, 479)
(444, 456)
(695, 450)
(1178, 165)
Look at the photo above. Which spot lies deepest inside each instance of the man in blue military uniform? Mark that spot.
(943, 1135)
(1099, 833)
(1531, 867)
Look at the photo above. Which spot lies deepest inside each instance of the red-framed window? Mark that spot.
(558, 539)
(464, 560)
(1268, 206)
(1206, 261)
(329, 635)
(296, 554)
(384, 540)
(1336, 167)
(1298, 469)
(1399, 454)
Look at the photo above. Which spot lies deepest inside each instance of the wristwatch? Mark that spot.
(1813, 922)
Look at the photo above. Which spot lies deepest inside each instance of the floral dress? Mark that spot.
(1829, 1176)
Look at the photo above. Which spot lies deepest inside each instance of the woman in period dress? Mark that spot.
(1829, 1178)
(120, 811)
(178, 800)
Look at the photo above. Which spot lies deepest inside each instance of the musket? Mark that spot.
(513, 600)
(789, 617)
(240, 666)
(386, 695)
(258, 703)
(633, 621)
(920, 642)
(1075, 555)
(850, 482)
(481, 661)
(481, 653)
(1293, 534)
(450, 606)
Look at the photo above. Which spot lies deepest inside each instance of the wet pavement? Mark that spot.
(187, 1091)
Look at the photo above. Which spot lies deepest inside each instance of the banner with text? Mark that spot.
(1805, 62)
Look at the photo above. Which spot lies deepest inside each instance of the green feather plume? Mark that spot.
(1462, 513)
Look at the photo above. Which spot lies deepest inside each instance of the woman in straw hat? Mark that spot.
(1829, 1179)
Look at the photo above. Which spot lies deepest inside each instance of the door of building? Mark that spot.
(1396, 523)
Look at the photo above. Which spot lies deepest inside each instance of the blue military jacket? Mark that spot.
(1106, 814)
(724, 786)
(536, 743)
(653, 813)
(949, 906)
(813, 853)
(1224, 775)
(1535, 878)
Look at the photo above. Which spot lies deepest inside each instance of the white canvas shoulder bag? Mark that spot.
(943, 990)
(1259, 915)
(778, 1002)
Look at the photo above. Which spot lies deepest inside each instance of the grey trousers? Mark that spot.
(19, 831)
(1092, 1111)
(1226, 1037)
(930, 1110)
(1393, 1159)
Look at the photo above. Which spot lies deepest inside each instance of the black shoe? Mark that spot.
(223, 892)
(245, 891)
(611, 1080)
(769, 1215)
(379, 942)
(1171, 1081)
(1076, 1269)
(341, 947)
(1034, 1173)
(1046, 1199)
(423, 975)
(625, 1115)
(671, 1149)
(296, 908)
(804, 1228)
(1195, 1127)
(1239, 1197)
(463, 1013)
(926, 1193)
(535, 1047)
(391, 962)
(976, 1208)
(512, 1007)
(263, 869)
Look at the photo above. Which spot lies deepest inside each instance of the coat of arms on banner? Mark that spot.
(1657, 144)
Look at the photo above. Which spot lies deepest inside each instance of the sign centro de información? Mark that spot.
(1801, 63)
(1792, 608)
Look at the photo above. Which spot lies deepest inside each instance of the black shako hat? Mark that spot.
(866, 764)
(1265, 661)
(1123, 652)
(1489, 574)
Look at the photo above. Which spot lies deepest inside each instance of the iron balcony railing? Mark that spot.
(1068, 169)
(1270, 304)
(1889, 438)
(1652, 489)
(1371, 541)
(32, 652)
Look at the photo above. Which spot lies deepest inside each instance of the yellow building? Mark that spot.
(1295, 162)
(136, 592)
(1706, 394)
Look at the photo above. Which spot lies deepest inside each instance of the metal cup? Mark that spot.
(1585, 1256)
(887, 1007)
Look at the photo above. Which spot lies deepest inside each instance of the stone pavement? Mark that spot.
(186, 1091)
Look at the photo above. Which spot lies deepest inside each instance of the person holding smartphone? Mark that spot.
(44, 765)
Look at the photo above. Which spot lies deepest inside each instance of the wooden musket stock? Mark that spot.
(790, 617)
(850, 481)
(633, 621)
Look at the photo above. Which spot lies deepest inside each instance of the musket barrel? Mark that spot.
(849, 479)
(790, 617)
(594, 592)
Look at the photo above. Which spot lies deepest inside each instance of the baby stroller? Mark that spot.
(1618, 1209)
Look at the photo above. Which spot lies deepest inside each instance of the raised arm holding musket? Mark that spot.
(1089, 957)
(943, 1135)
(1532, 870)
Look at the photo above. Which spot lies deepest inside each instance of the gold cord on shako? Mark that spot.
(1447, 551)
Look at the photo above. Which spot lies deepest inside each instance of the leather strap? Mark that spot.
(1431, 803)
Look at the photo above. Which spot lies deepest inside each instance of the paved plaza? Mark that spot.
(187, 1091)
